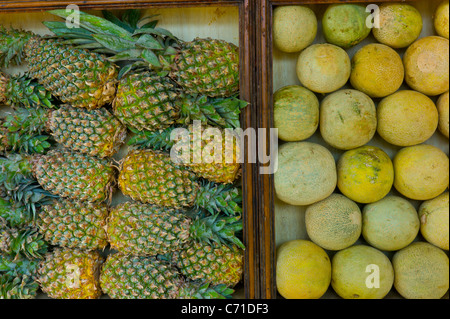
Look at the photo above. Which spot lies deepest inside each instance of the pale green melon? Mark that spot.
(434, 221)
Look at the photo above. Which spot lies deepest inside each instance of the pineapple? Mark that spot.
(93, 132)
(17, 277)
(70, 224)
(201, 67)
(71, 274)
(218, 161)
(138, 277)
(76, 76)
(61, 172)
(215, 263)
(147, 230)
(22, 90)
(26, 242)
(151, 177)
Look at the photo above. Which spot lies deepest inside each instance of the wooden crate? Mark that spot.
(275, 70)
(228, 20)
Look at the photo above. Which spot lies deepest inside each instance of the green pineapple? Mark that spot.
(76, 76)
(26, 242)
(70, 224)
(137, 277)
(71, 274)
(201, 67)
(215, 263)
(63, 173)
(148, 230)
(93, 132)
(21, 90)
(151, 177)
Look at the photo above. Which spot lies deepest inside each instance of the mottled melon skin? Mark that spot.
(421, 271)
(344, 25)
(296, 113)
(421, 172)
(390, 224)
(294, 28)
(334, 223)
(441, 19)
(400, 25)
(306, 173)
(350, 272)
(348, 119)
(442, 106)
(434, 221)
(303, 270)
(407, 118)
(426, 64)
(365, 174)
(323, 68)
(377, 70)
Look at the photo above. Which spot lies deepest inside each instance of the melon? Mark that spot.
(348, 119)
(296, 113)
(377, 70)
(442, 106)
(361, 272)
(344, 25)
(306, 173)
(407, 118)
(421, 172)
(334, 223)
(390, 224)
(421, 271)
(303, 270)
(400, 25)
(434, 221)
(323, 68)
(365, 174)
(440, 19)
(294, 28)
(426, 65)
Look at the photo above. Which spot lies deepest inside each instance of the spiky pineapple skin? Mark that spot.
(208, 67)
(71, 274)
(93, 132)
(74, 175)
(72, 224)
(218, 264)
(146, 230)
(146, 101)
(151, 177)
(76, 76)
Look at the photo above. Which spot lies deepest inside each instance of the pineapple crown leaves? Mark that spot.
(218, 229)
(12, 43)
(27, 242)
(219, 198)
(22, 287)
(18, 266)
(204, 290)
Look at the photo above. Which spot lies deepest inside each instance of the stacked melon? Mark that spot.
(363, 167)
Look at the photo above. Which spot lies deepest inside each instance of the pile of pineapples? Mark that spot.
(116, 84)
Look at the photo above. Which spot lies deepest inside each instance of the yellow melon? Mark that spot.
(377, 70)
(440, 19)
(407, 118)
(400, 25)
(294, 28)
(390, 224)
(361, 272)
(434, 221)
(421, 271)
(303, 270)
(334, 223)
(421, 172)
(426, 65)
(442, 106)
(296, 113)
(323, 68)
(306, 173)
(348, 119)
(365, 174)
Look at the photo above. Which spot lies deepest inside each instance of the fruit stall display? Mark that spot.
(92, 205)
(358, 208)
